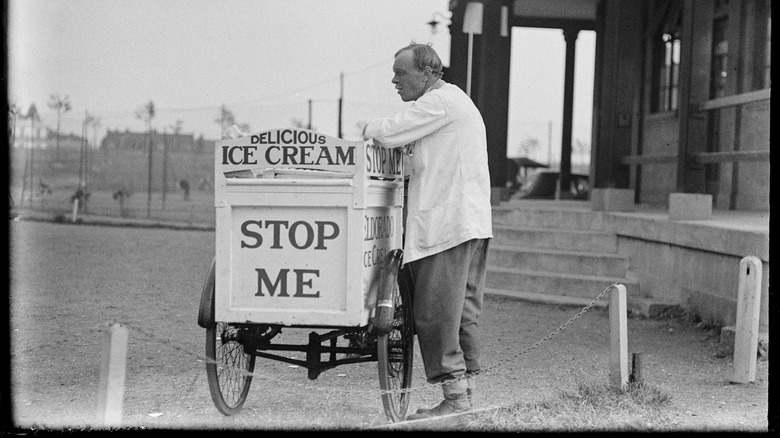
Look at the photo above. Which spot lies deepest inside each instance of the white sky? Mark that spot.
(263, 59)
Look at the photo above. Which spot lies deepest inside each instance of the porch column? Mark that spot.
(570, 36)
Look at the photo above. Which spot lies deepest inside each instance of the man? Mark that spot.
(448, 224)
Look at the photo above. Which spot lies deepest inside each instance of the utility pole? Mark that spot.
(149, 179)
(147, 113)
(549, 143)
(32, 158)
(341, 100)
(81, 150)
(165, 167)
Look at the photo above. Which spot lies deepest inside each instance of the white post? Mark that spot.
(112, 376)
(75, 213)
(748, 312)
(618, 337)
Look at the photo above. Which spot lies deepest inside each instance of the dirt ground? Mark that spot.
(69, 281)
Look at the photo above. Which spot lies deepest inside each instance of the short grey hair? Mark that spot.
(424, 56)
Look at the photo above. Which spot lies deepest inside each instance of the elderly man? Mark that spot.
(448, 225)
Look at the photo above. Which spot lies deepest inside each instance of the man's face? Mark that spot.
(409, 81)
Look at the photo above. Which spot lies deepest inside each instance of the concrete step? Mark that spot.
(554, 283)
(553, 260)
(563, 239)
(537, 217)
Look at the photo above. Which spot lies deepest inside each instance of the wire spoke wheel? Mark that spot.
(230, 377)
(395, 352)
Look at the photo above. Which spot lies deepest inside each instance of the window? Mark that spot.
(762, 67)
(720, 57)
(666, 65)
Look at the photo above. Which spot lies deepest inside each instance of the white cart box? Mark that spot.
(303, 222)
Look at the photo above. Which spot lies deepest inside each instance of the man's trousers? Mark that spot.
(447, 303)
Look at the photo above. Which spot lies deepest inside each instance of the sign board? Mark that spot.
(304, 221)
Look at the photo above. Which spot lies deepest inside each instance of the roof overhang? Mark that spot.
(554, 13)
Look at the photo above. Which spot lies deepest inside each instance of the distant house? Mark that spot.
(68, 141)
(127, 140)
(29, 131)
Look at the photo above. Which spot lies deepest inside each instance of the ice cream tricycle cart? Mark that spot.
(309, 233)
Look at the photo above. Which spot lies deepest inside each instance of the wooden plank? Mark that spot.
(736, 100)
(649, 159)
(618, 337)
(748, 312)
(723, 157)
(112, 376)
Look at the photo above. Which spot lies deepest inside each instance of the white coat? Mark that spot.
(449, 186)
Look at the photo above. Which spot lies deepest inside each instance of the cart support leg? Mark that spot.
(313, 356)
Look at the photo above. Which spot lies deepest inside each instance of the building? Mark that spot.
(681, 121)
(28, 130)
(126, 140)
(682, 91)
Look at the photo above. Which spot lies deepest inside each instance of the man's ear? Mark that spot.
(428, 72)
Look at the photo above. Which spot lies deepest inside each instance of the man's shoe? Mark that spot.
(470, 389)
(452, 404)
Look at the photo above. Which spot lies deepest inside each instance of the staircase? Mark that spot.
(556, 252)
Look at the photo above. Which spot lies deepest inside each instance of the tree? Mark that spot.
(581, 147)
(61, 105)
(360, 125)
(226, 120)
(298, 123)
(528, 146)
(13, 113)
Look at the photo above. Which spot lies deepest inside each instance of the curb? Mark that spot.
(109, 221)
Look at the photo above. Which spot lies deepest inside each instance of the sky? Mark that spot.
(264, 60)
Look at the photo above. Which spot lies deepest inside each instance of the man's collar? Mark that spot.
(438, 84)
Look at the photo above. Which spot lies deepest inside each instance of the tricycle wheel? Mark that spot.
(229, 368)
(227, 364)
(395, 352)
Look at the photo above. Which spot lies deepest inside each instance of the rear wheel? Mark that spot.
(395, 353)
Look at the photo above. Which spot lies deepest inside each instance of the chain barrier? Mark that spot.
(475, 375)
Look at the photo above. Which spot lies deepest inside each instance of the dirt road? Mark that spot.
(68, 281)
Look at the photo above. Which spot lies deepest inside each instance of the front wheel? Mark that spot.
(395, 353)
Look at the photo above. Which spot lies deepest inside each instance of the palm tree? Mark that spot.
(226, 120)
(61, 105)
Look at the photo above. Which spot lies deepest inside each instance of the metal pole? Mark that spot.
(549, 143)
(32, 159)
(341, 101)
(468, 65)
(165, 166)
(309, 125)
(149, 182)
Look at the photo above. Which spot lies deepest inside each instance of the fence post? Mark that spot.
(75, 213)
(748, 312)
(112, 376)
(618, 337)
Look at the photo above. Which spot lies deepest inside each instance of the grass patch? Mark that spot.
(638, 407)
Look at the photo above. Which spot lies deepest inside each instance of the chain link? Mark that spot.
(475, 375)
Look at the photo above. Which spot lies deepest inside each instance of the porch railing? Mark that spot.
(735, 156)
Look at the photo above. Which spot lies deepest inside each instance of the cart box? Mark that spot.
(303, 222)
